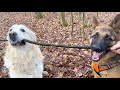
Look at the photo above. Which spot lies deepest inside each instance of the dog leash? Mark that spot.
(99, 68)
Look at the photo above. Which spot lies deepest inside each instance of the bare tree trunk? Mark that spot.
(40, 15)
(80, 24)
(72, 22)
(65, 24)
(97, 14)
(83, 32)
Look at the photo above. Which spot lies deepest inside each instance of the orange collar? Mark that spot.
(98, 69)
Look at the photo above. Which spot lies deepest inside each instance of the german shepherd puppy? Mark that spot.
(105, 63)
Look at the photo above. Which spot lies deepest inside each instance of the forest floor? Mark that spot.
(59, 62)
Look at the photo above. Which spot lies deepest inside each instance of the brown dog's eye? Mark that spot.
(96, 35)
(108, 37)
(22, 30)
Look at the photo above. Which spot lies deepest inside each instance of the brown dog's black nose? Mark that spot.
(12, 36)
(96, 48)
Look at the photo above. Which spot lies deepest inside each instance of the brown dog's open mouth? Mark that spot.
(97, 55)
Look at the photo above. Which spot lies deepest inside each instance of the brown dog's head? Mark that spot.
(103, 37)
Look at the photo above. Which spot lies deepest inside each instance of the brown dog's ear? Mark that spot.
(95, 22)
(115, 24)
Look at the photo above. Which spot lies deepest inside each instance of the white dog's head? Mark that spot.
(17, 33)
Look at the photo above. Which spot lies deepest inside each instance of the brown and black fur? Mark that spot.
(103, 37)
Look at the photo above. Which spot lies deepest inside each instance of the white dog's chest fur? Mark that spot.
(26, 63)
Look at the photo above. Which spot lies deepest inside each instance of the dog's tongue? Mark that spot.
(96, 55)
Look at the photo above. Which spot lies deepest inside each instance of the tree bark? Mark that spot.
(64, 22)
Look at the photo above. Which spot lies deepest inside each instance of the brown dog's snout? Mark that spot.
(96, 48)
(12, 36)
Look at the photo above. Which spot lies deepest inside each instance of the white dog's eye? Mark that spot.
(10, 29)
(22, 30)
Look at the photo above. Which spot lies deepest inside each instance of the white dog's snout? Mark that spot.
(13, 36)
(17, 33)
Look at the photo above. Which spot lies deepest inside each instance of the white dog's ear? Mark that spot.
(33, 36)
(31, 33)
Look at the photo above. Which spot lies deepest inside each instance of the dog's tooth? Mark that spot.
(95, 58)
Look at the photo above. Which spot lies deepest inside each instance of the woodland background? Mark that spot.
(69, 28)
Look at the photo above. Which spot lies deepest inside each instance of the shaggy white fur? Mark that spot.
(24, 60)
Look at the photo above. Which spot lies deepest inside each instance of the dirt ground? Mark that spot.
(59, 62)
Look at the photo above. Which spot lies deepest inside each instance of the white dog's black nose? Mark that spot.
(13, 36)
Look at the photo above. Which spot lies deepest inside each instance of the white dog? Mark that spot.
(23, 60)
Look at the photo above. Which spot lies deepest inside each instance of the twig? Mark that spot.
(4, 40)
(65, 46)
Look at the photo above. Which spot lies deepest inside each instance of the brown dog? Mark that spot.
(105, 63)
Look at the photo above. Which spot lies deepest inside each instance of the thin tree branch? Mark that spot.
(65, 46)
(4, 40)
(60, 45)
